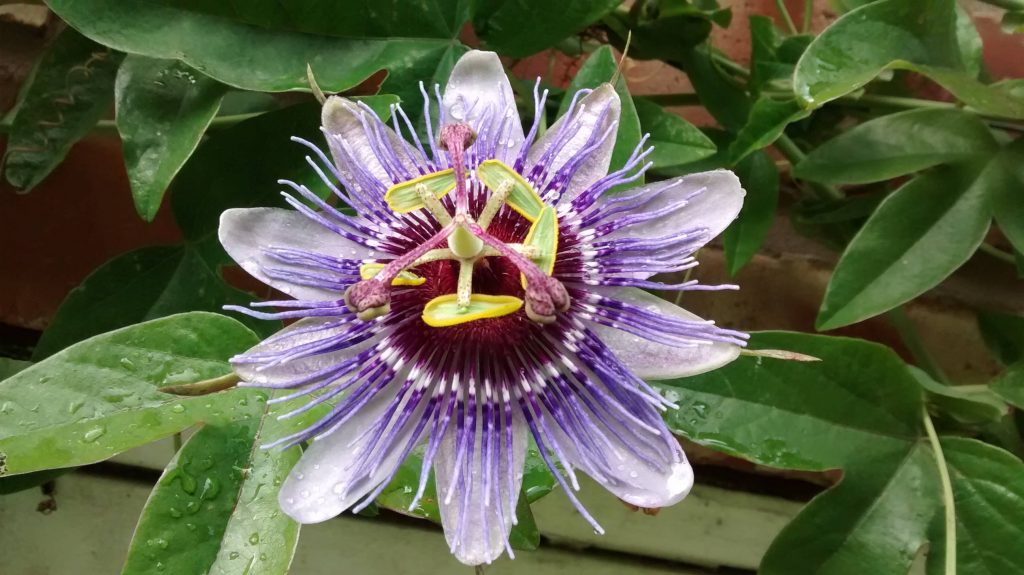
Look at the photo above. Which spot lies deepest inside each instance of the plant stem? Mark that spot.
(808, 16)
(947, 494)
(908, 333)
(997, 253)
(794, 154)
(784, 12)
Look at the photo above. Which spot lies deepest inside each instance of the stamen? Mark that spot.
(433, 204)
(494, 203)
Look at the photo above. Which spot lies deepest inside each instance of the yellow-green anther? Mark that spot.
(463, 243)
(433, 204)
(494, 203)
(465, 285)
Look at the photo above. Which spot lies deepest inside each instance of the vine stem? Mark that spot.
(997, 253)
(784, 12)
(947, 493)
(794, 154)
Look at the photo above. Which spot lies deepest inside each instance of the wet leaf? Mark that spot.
(894, 34)
(163, 108)
(267, 47)
(897, 144)
(99, 397)
(70, 89)
(917, 237)
(214, 509)
(858, 410)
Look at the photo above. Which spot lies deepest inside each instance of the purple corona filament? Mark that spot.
(461, 322)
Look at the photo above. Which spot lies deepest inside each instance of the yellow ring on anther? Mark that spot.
(444, 311)
(403, 198)
(522, 198)
(404, 278)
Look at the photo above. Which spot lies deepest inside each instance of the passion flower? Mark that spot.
(475, 290)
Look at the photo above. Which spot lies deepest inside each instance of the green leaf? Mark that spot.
(858, 410)
(675, 140)
(99, 397)
(897, 144)
(9, 367)
(801, 415)
(742, 239)
(514, 29)
(917, 237)
(600, 68)
(664, 30)
(1006, 192)
(138, 286)
(969, 405)
(772, 56)
(163, 108)
(895, 34)
(988, 487)
(1010, 385)
(68, 92)
(214, 509)
(240, 166)
(969, 41)
(1004, 335)
(342, 18)
(217, 41)
(875, 521)
(767, 121)
(723, 98)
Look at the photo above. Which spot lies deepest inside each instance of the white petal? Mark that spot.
(482, 538)
(246, 232)
(321, 485)
(343, 122)
(645, 487)
(588, 118)
(652, 360)
(714, 208)
(478, 91)
(301, 332)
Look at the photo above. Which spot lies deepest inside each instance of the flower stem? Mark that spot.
(948, 502)
(908, 333)
(808, 16)
(784, 12)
